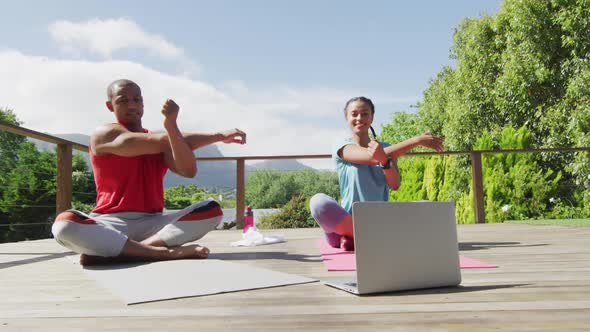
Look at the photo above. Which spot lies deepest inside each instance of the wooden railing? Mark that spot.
(476, 172)
(64, 168)
(241, 176)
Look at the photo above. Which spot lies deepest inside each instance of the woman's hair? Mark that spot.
(364, 100)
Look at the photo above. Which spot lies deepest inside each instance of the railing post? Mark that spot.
(63, 199)
(478, 196)
(240, 192)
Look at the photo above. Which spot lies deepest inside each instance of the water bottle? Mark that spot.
(248, 219)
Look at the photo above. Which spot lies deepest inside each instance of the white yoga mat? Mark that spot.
(146, 282)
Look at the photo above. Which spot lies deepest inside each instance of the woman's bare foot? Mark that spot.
(347, 243)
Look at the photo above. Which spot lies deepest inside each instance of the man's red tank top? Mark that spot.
(129, 184)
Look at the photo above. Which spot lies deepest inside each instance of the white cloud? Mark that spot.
(308, 102)
(67, 96)
(105, 37)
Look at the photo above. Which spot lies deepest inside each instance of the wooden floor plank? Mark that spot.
(542, 284)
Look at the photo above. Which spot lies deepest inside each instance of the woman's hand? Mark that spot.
(376, 152)
(430, 141)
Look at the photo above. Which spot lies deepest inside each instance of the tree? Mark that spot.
(527, 67)
(83, 186)
(28, 186)
(9, 144)
(29, 194)
(273, 189)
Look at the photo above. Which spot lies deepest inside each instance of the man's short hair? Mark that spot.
(116, 84)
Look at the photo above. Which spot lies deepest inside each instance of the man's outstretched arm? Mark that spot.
(116, 139)
(199, 140)
(176, 146)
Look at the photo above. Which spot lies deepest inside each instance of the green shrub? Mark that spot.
(181, 196)
(273, 189)
(294, 214)
(412, 174)
(82, 207)
(515, 185)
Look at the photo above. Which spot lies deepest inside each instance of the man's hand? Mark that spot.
(375, 150)
(429, 141)
(233, 136)
(170, 111)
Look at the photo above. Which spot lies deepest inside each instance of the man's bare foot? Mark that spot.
(193, 251)
(347, 243)
(92, 260)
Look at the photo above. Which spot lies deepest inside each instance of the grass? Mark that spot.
(559, 222)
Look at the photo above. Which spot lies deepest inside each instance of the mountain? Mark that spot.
(77, 138)
(210, 174)
(280, 165)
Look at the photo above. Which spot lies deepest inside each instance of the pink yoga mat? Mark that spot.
(337, 259)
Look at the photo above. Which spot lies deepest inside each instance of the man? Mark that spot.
(129, 165)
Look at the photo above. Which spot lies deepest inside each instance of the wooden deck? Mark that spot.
(542, 283)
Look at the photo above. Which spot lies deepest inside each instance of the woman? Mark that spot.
(366, 168)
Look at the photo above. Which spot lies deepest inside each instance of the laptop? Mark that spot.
(403, 246)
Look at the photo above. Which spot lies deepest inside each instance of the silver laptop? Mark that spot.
(403, 246)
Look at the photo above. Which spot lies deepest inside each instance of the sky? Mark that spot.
(279, 70)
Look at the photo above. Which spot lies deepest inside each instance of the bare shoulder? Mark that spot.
(106, 133)
(348, 148)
